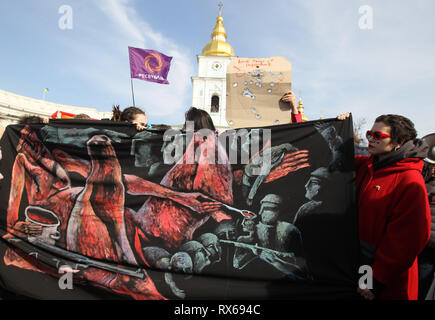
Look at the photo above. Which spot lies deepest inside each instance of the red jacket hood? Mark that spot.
(403, 165)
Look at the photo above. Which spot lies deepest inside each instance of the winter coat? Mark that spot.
(394, 217)
(430, 186)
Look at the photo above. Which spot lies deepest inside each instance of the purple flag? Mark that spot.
(149, 65)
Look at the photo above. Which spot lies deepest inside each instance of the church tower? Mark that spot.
(209, 86)
(301, 109)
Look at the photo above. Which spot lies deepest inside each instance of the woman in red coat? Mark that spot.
(394, 213)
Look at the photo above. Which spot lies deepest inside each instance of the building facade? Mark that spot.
(14, 106)
(209, 86)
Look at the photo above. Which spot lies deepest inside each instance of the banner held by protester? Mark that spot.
(105, 201)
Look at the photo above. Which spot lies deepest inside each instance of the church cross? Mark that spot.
(220, 5)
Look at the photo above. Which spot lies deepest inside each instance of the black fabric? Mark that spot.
(367, 253)
(378, 287)
(411, 149)
(98, 198)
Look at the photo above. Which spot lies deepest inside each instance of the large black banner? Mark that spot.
(97, 210)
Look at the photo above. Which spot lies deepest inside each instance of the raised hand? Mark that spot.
(343, 116)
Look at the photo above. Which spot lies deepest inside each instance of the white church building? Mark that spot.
(209, 86)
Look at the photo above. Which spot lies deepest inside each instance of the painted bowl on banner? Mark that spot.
(47, 220)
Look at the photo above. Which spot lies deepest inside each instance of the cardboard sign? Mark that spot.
(254, 89)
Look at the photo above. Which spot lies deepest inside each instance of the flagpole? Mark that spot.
(132, 91)
(131, 79)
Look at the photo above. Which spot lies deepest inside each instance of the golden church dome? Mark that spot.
(218, 46)
(301, 110)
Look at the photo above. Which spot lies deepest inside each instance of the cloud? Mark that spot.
(122, 13)
(104, 63)
(388, 69)
(119, 12)
(337, 66)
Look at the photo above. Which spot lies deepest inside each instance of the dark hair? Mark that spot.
(130, 113)
(201, 119)
(427, 171)
(82, 116)
(402, 129)
(116, 113)
(161, 127)
(30, 119)
(127, 115)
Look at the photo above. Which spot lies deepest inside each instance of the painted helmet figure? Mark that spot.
(269, 208)
(314, 184)
(226, 230)
(211, 243)
(181, 262)
(200, 256)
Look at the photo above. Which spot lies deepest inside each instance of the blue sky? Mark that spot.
(337, 66)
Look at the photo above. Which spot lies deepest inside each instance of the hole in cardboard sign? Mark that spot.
(248, 93)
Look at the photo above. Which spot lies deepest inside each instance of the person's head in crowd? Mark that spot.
(82, 116)
(132, 115)
(200, 118)
(389, 133)
(428, 171)
(429, 161)
(31, 119)
(116, 113)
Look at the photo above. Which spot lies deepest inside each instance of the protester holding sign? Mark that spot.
(290, 98)
(426, 260)
(394, 213)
